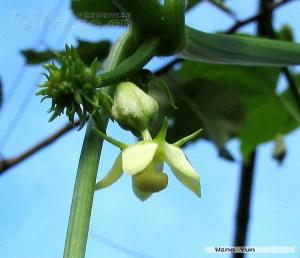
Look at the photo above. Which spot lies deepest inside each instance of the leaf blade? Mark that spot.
(228, 49)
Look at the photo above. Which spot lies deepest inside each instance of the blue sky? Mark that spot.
(35, 196)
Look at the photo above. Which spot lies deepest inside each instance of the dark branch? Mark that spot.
(270, 8)
(165, 69)
(5, 164)
(244, 203)
(264, 28)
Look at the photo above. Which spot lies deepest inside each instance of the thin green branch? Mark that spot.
(111, 140)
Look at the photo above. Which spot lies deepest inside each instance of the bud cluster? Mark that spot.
(72, 86)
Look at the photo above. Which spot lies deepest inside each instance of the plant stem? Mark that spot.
(133, 64)
(80, 214)
(244, 203)
(145, 135)
(111, 140)
(264, 28)
(83, 195)
(146, 14)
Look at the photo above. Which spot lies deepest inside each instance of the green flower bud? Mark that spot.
(72, 87)
(132, 107)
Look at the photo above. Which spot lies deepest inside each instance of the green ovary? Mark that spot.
(150, 181)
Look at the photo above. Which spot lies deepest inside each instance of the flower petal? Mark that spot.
(175, 157)
(137, 157)
(113, 175)
(143, 196)
(190, 183)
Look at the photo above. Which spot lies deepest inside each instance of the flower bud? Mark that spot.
(72, 87)
(132, 107)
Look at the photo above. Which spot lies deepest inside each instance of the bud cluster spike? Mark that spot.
(72, 87)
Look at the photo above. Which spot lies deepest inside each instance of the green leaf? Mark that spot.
(229, 49)
(276, 115)
(250, 88)
(99, 12)
(202, 104)
(264, 123)
(37, 57)
(285, 33)
(252, 84)
(256, 87)
(161, 84)
(229, 101)
(87, 51)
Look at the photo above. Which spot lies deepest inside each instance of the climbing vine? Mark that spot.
(119, 90)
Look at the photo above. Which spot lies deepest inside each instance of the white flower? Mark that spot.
(144, 162)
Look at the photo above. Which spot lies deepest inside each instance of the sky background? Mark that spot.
(35, 196)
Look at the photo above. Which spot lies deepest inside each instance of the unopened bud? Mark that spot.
(132, 107)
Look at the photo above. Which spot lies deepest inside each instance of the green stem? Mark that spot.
(111, 140)
(146, 136)
(146, 14)
(83, 195)
(147, 49)
(173, 30)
